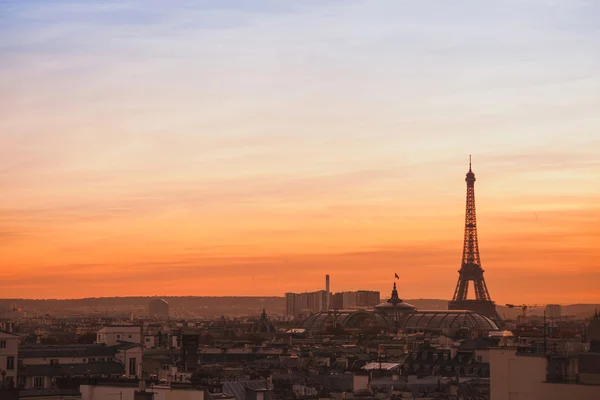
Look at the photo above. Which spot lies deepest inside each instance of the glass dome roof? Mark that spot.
(446, 319)
(344, 319)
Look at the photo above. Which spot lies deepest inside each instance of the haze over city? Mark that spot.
(248, 148)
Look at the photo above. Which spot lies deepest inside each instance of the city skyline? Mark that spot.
(239, 149)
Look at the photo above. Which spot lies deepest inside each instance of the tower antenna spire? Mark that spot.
(470, 272)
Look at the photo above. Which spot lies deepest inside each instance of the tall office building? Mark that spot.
(367, 298)
(305, 303)
(353, 300)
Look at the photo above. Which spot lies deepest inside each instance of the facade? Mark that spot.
(593, 329)
(368, 298)
(394, 315)
(359, 299)
(101, 390)
(447, 322)
(9, 354)
(305, 303)
(263, 326)
(554, 311)
(158, 308)
(41, 366)
(111, 335)
(518, 375)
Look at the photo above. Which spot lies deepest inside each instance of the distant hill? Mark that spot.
(199, 306)
(179, 306)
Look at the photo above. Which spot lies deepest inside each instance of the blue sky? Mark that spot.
(111, 107)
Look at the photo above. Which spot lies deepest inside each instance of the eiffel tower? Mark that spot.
(470, 270)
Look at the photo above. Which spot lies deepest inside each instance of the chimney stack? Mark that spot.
(327, 293)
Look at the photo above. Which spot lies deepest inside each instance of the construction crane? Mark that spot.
(525, 307)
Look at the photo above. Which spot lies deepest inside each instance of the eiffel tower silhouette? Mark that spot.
(470, 270)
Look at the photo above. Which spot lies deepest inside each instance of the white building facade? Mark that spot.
(9, 355)
(114, 334)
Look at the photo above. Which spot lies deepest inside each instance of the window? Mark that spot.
(84, 360)
(147, 339)
(2, 344)
(38, 382)
(478, 358)
(54, 361)
(132, 366)
(118, 336)
(92, 360)
(10, 363)
(129, 336)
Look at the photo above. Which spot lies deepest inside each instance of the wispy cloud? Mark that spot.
(262, 127)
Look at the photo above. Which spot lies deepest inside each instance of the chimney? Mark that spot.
(327, 293)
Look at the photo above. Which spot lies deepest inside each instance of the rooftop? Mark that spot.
(82, 369)
(83, 350)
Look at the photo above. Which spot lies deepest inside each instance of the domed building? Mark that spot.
(448, 321)
(346, 320)
(263, 325)
(394, 309)
(158, 308)
(394, 315)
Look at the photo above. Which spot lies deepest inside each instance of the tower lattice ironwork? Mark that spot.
(471, 271)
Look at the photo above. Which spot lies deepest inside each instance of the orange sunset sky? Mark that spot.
(249, 148)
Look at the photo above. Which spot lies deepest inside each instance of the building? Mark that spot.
(189, 351)
(263, 326)
(358, 299)
(41, 366)
(355, 300)
(158, 308)
(111, 335)
(161, 364)
(105, 389)
(297, 304)
(9, 354)
(593, 329)
(554, 311)
(520, 374)
(367, 298)
(394, 314)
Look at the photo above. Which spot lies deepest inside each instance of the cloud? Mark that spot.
(269, 127)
